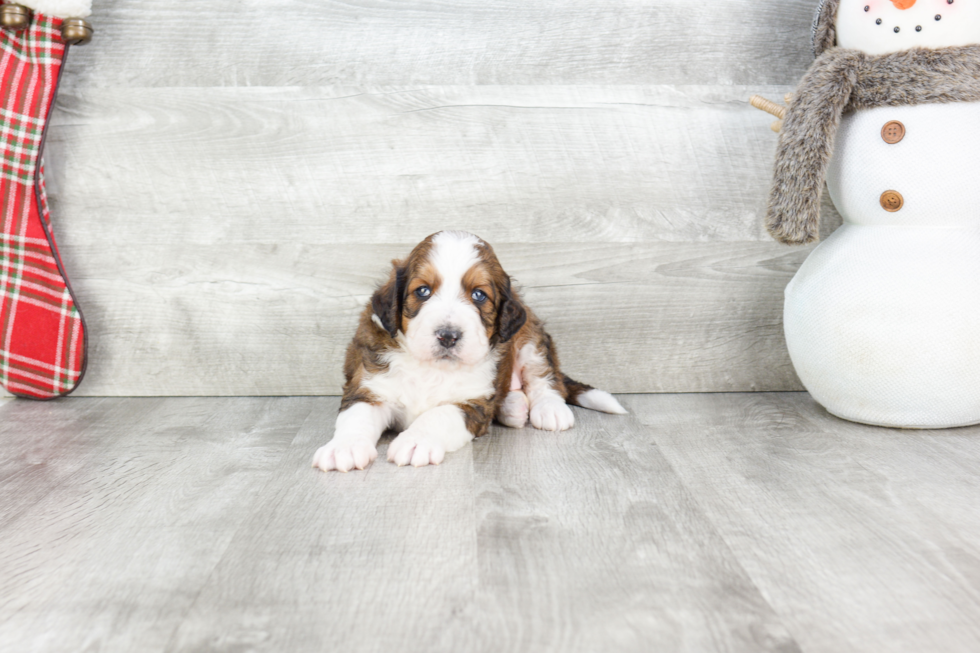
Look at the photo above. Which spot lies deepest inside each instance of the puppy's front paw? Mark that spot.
(552, 414)
(415, 448)
(513, 412)
(344, 456)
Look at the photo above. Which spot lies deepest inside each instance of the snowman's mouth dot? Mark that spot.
(878, 22)
(898, 29)
(918, 28)
(939, 17)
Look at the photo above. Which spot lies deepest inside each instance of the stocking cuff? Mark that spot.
(60, 8)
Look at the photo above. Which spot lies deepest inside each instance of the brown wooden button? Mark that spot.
(892, 201)
(893, 132)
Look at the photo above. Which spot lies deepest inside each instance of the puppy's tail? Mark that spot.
(579, 394)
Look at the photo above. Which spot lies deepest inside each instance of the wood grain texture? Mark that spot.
(33, 436)
(367, 42)
(589, 542)
(276, 319)
(115, 552)
(227, 183)
(203, 533)
(745, 522)
(861, 538)
(326, 165)
(376, 561)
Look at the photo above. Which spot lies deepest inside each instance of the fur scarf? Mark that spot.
(824, 34)
(840, 81)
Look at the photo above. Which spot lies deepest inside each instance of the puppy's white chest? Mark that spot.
(411, 387)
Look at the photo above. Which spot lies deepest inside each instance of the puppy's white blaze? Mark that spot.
(600, 400)
(453, 253)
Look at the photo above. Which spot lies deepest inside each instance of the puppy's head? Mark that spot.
(450, 299)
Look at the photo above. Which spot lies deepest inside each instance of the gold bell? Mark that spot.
(76, 31)
(15, 17)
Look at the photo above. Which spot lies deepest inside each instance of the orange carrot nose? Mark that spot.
(903, 4)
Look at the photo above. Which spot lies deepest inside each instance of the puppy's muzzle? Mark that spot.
(448, 337)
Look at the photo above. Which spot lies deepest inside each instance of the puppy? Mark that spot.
(445, 346)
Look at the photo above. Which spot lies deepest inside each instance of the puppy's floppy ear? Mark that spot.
(511, 315)
(387, 300)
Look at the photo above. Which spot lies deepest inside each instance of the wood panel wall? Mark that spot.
(229, 182)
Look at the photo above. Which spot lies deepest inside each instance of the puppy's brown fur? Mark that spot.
(509, 323)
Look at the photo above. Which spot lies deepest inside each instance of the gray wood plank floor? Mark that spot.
(728, 522)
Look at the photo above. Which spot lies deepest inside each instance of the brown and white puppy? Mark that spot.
(445, 346)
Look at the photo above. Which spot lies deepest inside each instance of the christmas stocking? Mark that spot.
(42, 335)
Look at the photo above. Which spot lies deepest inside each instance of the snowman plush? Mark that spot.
(882, 320)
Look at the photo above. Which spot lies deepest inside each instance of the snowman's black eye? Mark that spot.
(898, 29)
(938, 17)
(867, 8)
(949, 2)
(918, 28)
(878, 22)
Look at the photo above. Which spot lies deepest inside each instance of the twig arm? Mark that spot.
(768, 106)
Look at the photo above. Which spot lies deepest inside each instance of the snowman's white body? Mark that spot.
(883, 319)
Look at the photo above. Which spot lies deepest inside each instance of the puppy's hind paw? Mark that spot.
(344, 456)
(514, 410)
(552, 414)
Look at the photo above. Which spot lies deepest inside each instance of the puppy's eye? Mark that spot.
(423, 292)
(478, 296)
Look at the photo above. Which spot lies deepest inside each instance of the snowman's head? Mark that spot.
(883, 26)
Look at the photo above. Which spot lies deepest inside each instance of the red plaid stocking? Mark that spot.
(42, 335)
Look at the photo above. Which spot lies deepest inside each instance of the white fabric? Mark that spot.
(60, 8)
(883, 319)
(934, 167)
(857, 28)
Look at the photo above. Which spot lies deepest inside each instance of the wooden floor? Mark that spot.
(727, 522)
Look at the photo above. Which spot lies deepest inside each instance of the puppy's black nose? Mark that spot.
(448, 337)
